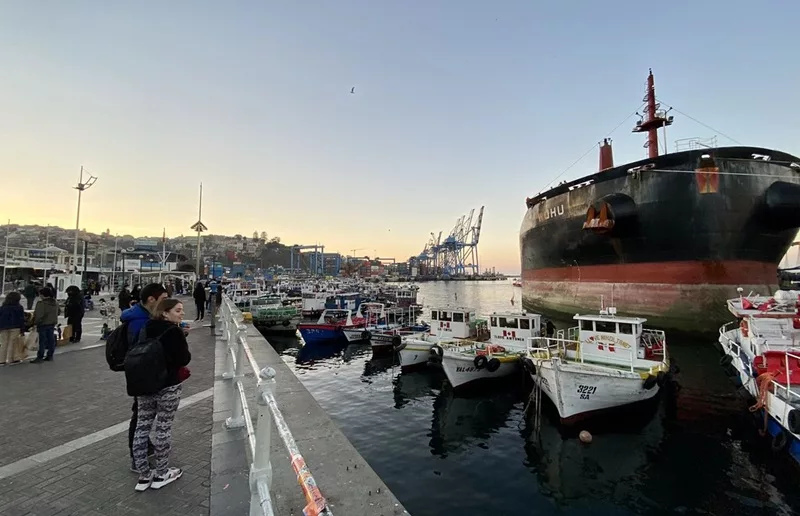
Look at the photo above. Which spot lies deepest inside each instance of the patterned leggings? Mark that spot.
(156, 413)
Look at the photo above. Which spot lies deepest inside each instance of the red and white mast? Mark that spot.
(653, 119)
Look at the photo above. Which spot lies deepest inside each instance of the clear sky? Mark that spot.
(457, 104)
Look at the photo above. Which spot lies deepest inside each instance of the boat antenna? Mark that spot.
(655, 118)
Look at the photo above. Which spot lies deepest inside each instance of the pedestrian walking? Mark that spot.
(154, 371)
(74, 311)
(45, 318)
(200, 300)
(12, 324)
(30, 294)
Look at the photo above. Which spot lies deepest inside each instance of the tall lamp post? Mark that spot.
(5, 259)
(199, 227)
(80, 188)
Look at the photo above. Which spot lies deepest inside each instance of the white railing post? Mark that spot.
(230, 342)
(237, 417)
(261, 469)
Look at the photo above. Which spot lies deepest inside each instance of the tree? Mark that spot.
(237, 237)
(275, 240)
(264, 236)
(255, 235)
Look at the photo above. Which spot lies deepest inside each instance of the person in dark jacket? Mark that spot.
(136, 317)
(200, 300)
(30, 294)
(45, 318)
(124, 298)
(157, 411)
(12, 323)
(136, 294)
(74, 311)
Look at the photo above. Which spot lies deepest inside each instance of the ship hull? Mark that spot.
(679, 242)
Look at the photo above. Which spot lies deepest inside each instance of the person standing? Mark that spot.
(157, 409)
(136, 317)
(45, 318)
(12, 323)
(200, 300)
(124, 299)
(30, 294)
(74, 311)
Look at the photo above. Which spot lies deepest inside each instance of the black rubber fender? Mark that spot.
(400, 347)
(436, 350)
(493, 365)
(780, 207)
(661, 378)
(793, 421)
(649, 382)
(269, 324)
(366, 335)
(397, 340)
(529, 366)
(480, 361)
(285, 322)
(725, 360)
(779, 441)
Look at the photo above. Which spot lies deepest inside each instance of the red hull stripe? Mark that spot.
(730, 272)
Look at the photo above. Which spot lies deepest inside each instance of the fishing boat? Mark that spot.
(313, 303)
(331, 326)
(271, 316)
(672, 235)
(465, 362)
(446, 323)
(761, 352)
(605, 362)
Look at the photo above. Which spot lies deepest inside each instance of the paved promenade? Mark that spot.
(63, 435)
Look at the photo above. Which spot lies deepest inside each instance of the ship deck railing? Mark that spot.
(781, 385)
(259, 435)
(572, 351)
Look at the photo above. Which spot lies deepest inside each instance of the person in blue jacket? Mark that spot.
(136, 317)
(12, 323)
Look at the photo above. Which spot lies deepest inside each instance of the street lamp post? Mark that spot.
(5, 259)
(80, 188)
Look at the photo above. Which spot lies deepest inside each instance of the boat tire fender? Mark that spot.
(649, 382)
(400, 347)
(366, 335)
(793, 421)
(269, 324)
(480, 362)
(436, 350)
(285, 322)
(779, 441)
(529, 366)
(725, 360)
(661, 377)
(492, 365)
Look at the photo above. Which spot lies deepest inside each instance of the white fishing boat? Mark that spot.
(465, 362)
(606, 362)
(372, 313)
(761, 352)
(446, 323)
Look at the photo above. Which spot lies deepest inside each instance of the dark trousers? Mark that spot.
(30, 301)
(201, 309)
(47, 341)
(77, 328)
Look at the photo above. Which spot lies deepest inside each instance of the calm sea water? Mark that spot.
(696, 452)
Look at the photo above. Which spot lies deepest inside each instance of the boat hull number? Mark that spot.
(586, 390)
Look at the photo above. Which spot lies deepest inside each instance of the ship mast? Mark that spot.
(653, 119)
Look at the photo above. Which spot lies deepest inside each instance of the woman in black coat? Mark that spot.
(200, 299)
(74, 312)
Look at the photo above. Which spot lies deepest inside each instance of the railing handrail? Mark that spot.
(238, 352)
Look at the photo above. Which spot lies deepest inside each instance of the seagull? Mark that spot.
(353, 90)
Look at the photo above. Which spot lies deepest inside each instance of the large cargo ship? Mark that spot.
(670, 237)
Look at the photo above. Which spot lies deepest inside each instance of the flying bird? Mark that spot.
(353, 90)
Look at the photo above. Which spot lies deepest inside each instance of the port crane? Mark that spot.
(315, 263)
(457, 254)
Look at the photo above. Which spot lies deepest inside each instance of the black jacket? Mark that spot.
(176, 349)
(73, 309)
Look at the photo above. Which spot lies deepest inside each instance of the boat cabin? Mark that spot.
(313, 301)
(616, 340)
(241, 297)
(514, 327)
(336, 316)
(345, 301)
(405, 297)
(456, 323)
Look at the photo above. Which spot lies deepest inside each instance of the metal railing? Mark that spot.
(233, 332)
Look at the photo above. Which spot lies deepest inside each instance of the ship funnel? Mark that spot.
(606, 155)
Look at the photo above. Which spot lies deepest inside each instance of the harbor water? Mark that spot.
(695, 451)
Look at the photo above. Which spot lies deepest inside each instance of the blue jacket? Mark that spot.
(136, 317)
(12, 317)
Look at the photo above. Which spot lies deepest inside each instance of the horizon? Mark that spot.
(452, 110)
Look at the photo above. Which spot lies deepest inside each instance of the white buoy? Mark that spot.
(585, 437)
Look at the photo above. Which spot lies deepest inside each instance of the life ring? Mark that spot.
(793, 421)
(480, 361)
(397, 340)
(436, 350)
(285, 322)
(529, 366)
(779, 441)
(366, 335)
(725, 360)
(744, 328)
(649, 382)
(492, 365)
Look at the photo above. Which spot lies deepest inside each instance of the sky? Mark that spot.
(458, 104)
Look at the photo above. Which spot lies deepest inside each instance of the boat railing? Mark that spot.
(548, 346)
(259, 435)
(602, 360)
(655, 340)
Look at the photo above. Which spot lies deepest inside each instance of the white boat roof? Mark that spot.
(610, 318)
(453, 309)
(513, 314)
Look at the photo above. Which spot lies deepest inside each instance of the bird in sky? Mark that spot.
(353, 90)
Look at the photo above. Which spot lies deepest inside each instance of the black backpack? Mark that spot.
(145, 366)
(117, 344)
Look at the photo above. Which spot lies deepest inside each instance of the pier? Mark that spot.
(63, 439)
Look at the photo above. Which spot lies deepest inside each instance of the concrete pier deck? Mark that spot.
(349, 484)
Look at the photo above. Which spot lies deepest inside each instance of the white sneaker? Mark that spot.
(171, 476)
(144, 483)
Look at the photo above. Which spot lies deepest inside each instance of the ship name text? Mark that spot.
(554, 212)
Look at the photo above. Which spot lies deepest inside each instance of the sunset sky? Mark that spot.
(457, 104)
